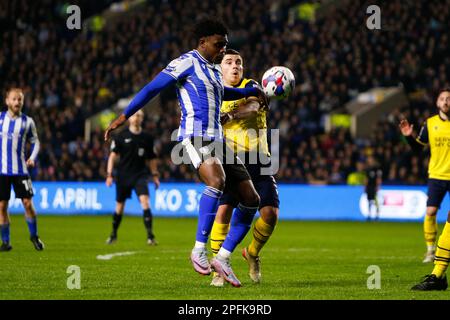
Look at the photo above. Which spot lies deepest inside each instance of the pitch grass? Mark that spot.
(303, 260)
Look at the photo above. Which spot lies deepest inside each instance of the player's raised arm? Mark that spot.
(147, 93)
(245, 110)
(231, 94)
(417, 144)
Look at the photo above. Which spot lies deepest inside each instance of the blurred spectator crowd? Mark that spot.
(69, 75)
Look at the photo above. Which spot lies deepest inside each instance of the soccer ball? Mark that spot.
(278, 82)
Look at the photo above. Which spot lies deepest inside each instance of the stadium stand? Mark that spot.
(70, 75)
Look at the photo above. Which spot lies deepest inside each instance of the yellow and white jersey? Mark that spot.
(246, 135)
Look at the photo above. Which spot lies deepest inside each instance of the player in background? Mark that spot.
(200, 93)
(374, 177)
(135, 149)
(435, 133)
(245, 129)
(16, 129)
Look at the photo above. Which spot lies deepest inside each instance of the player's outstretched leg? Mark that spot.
(212, 174)
(207, 212)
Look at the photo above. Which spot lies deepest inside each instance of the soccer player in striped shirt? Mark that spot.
(16, 129)
(200, 92)
(435, 133)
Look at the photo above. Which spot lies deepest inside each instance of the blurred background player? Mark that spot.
(135, 148)
(373, 181)
(200, 93)
(16, 129)
(436, 134)
(245, 129)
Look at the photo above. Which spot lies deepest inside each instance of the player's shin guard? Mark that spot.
(32, 226)
(5, 232)
(430, 229)
(261, 234)
(209, 203)
(240, 224)
(218, 234)
(148, 223)
(442, 258)
(117, 218)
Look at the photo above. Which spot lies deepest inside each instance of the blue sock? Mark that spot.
(32, 226)
(240, 224)
(5, 232)
(207, 212)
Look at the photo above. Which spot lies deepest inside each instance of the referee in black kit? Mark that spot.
(135, 148)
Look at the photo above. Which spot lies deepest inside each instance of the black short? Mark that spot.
(436, 192)
(22, 187)
(197, 151)
(124, 187)
(265, 185)
(371, 193)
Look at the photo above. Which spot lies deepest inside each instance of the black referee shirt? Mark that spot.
(372, 174)
(134, 150)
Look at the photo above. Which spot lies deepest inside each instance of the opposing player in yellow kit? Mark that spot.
(245, 129)
(436, 134)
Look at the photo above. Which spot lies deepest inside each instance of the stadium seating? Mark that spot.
(69, 75)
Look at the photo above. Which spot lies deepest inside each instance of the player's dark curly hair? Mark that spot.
(208, 27)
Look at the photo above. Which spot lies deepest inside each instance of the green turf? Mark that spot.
(303, 260)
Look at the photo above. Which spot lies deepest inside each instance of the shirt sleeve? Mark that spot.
(422, 138)
(115, 145)
(147, 93)
(179, 68)
(252, 84)
(34, 140)
(231, 94)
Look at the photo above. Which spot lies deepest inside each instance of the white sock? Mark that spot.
(224, 253)
(199, 244)
(431, 248)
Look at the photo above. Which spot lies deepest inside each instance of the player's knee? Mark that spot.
(217, 182)
(251, 200)
(269, 215)
(28, 206)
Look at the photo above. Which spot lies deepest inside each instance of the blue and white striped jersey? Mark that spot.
(14, 134)
(200, 91)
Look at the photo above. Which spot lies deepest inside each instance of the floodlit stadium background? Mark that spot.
(353, 85)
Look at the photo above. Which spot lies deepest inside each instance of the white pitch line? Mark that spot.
(117, 254)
